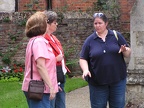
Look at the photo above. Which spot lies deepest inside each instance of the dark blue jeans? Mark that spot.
(44, 103)
(59, 100)
(114, 94)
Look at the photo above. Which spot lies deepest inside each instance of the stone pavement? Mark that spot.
(78, 98)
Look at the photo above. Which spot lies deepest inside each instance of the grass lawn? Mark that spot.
(11, 95)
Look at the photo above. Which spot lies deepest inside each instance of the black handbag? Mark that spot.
(36, 87)
(60, 74)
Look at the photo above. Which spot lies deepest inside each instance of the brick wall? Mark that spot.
(71, 31)
(76, 5)
(27, 5)
(125, 8)
(69, 5)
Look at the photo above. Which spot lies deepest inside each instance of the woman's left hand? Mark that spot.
(123, 48)
(60, 89)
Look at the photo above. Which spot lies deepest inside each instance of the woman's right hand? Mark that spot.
(86, 73)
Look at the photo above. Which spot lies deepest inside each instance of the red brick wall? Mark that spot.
(125, 8)
(69, 5)
(75, 5)
(24, 5)
(72, 35)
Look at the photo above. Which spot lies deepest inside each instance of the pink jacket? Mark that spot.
(41, 48)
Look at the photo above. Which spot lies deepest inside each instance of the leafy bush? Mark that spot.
(71, 62)
(7, 73)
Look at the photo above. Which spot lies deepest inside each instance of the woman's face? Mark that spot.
(99, 25)
(52, 27)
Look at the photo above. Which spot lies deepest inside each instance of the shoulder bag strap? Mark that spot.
(115, 34)
(32, 60)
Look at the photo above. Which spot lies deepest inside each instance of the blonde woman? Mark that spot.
(44, 61)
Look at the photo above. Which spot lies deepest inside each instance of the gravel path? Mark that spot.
(78, 98)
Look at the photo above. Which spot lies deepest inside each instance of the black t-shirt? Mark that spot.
(106, 65)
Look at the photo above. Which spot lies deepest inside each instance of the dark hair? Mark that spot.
(36, 25)
(51, 16)
(101, 16)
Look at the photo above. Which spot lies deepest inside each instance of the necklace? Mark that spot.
(103, 35)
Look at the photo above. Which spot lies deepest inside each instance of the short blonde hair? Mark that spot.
(36, 25)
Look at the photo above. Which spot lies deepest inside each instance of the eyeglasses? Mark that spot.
(98, 15)
(49, 21)
(55, 22)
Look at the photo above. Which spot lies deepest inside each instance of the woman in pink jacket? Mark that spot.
(44, 61)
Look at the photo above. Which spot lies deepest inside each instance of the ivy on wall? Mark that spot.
(33, 5)
(12, 68)
(110, 7)
(12, 47)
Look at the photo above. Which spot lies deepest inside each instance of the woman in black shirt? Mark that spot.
(103, 65)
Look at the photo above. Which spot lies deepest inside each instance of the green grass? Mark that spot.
(11, 95)
(74, 83)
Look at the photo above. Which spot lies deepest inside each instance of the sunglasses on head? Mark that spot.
(98, 15)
